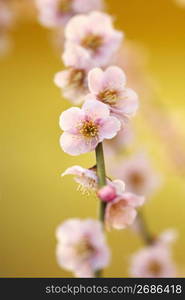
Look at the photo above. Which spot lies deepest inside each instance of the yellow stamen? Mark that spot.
(92, 42)
(77, 78)
(154, 268)
(108, 97)
(65, 6)
(89, 129)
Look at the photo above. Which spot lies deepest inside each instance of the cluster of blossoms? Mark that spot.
(6, 19)
(92, 80)
(107, 105)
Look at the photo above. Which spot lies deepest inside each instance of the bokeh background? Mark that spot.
(34, 199)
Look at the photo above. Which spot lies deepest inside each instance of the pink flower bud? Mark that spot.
(107, 193)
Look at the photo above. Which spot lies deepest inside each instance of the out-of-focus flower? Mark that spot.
(85, 128)
(54, 13)
(121, 212)
(112, 190)
(87, 178)
(155, 260)
(109, 87)
(73, 81)
(81, 247)
(137, 174)
(95, 33)
(121, 141)
(6, 20)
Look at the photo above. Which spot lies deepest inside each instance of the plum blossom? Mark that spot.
(95, 34)
(86, 178)
(137, 175)
(156, 259)
(81, 247)
(121, 212)
(109, 87)
(54, 13)
(120, 209)
(73, 80)
(86, 127)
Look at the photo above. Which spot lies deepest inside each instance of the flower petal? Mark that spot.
(95, 110)
(61, 78)
(109, 128)
(76, 144)
(129, 104)
(70, 118)
(114, 78)
(95, 80)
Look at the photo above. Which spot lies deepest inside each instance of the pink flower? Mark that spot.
(81, 247)
(87, 178)
(54, 13)
(86, 127)
(137, 175)
(153, 261)
(109, 87)
(121, 211)
(95, 33)
(73, 81)
(112, 190)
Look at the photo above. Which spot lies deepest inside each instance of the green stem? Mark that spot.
(101, 177)
(146, 235)
(100, 162)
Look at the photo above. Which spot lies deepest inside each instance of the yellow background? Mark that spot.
(34, 199)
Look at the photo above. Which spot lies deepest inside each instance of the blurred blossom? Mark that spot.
(121, 141)
(6, 21)
(121, 212)
(87, 178)
(73, 81)
(54, 13)
(95, 34)
(155, 260)
(137, 175)
(86, 127)
(109, 87)
(81, 247)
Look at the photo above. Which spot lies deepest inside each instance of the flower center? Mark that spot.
(77, 78)
(64, 6)
(89, 129)
(136, 179)
(154, 267)
(92, 42)
(84, 249)
(108, 97)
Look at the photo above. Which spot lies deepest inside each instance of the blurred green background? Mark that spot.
(34, 198)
